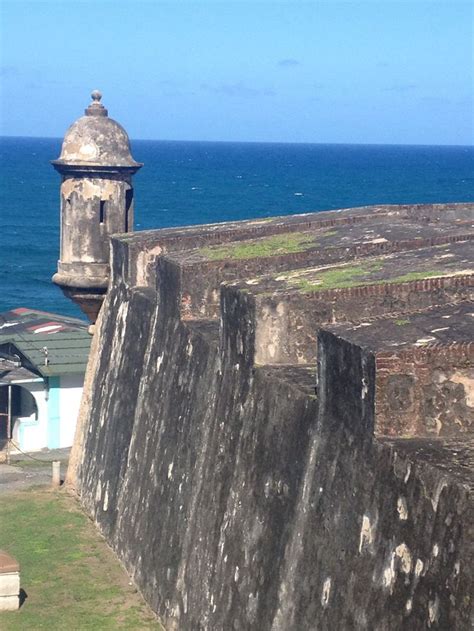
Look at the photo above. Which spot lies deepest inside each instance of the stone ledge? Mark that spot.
(288, 308)
(210, 254)
(9, 584)
(9, 603)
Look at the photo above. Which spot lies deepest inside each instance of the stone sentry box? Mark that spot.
(9, 582)
(96, 201)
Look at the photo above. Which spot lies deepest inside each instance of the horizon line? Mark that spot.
(266, 142)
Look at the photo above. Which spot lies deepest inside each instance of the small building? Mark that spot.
(43, 359)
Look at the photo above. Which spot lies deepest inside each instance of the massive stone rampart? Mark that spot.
(244, 485)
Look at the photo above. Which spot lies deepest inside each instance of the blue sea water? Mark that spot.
(198, 182)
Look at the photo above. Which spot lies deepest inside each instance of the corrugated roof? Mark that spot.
(18, 374)
(51, 343)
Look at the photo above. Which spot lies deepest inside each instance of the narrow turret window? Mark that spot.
(102, 211)
(128, 206)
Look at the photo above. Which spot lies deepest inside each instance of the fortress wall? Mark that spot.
(123, 346)
(426, 391)
(286, 324)
(201, 278)
(200, 438)
(236, 500)
(371, 514)
(446, 213)
(133, 265)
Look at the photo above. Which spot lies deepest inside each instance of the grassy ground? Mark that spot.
(71, 578)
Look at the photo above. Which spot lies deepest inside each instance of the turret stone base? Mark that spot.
(89, 301)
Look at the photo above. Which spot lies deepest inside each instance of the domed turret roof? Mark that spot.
(95, 140)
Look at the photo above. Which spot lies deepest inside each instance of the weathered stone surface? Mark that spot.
(95, 140)
(236, 497)
(9, 603)
(289, 307)
(9, 584)
(96, 201)
(424, 370)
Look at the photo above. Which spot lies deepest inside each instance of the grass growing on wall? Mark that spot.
(352, 276)
(338, 278)
(273, 245)
(71, 578)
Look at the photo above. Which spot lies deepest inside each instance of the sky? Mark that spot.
(390, 72)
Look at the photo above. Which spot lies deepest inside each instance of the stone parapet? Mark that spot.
(424, 370)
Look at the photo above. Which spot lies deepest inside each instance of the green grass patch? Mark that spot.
(338, 278)
(273, 245)
(353, 276)
(402, 322)
(71, 578)
(411, 276)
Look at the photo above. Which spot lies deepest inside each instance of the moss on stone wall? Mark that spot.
(344, 278)
(338, 278)
(269, 246)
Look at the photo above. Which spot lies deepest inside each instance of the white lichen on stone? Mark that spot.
(389, 575)
(367, 532)
(407, 475)
(435, 499)
(365, 388)
(433, 610)
(403, 553)
(326, 592)
(424, 340)
(402, 508)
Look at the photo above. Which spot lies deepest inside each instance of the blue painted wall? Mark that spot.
(53, 412)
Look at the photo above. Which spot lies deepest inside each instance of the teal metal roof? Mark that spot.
(50, 344)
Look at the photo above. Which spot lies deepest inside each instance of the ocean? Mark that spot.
(199, 182)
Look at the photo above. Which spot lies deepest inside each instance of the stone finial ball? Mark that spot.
(96, 95)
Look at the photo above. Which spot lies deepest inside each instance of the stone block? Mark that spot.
(424, 374)
(10, 584)
(9, 603)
